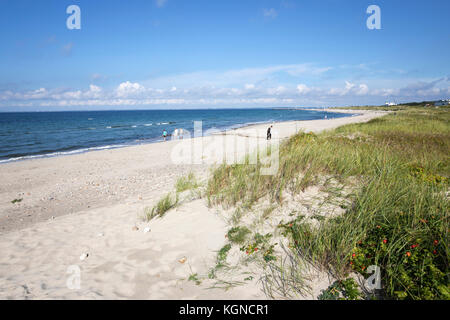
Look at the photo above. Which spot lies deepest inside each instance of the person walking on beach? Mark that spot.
(164, 134)
(269, 133)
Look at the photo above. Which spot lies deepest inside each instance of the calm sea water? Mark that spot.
(44, 134)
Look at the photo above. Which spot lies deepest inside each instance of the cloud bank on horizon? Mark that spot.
(239, 88)
(170, 54)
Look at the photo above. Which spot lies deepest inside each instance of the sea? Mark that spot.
(30, 135)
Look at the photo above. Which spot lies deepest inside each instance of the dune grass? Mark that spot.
(165, 204)
(170, 201)
(398, 219)
(188, 182)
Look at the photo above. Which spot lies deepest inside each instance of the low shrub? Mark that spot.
(238, 235)
(341, 290)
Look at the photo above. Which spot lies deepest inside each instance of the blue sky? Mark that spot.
(199, 54)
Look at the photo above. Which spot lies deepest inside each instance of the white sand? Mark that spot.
(96, 199)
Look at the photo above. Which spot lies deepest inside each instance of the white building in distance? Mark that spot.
(442, 102)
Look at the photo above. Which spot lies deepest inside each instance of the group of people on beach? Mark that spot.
(177, 133)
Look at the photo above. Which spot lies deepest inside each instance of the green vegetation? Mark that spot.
(17, 200)
(412, 106)
(398, 167)
(186, 183)
(222, 255)
(170, 201)
(165, 204)
(268, 211)
(238, 235)
(341, 290)
(260, 244)
(194, 277)
(221, 260)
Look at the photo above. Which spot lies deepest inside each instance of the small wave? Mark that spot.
(148, 124)
(64, 153)
(134, 126)
(117, 126)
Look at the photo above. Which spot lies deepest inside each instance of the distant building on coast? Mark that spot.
(442, 103)
(390, 104)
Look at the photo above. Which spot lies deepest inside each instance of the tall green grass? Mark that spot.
(166, 203)
(188, 182)
(399, 217)
(170, 201)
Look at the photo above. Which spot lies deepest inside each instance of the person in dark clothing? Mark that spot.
(269, 133)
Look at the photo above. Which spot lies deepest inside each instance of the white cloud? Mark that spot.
(276, 91)
(239, 87)
(39, 93)
(94, 88)
(128, 88)
(71, 95)
(350, 89)
(363, 89)
(303, 89)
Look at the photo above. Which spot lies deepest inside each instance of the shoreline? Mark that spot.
(56, 186)
(151, 141)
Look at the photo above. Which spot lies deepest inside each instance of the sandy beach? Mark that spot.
(93, 203)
